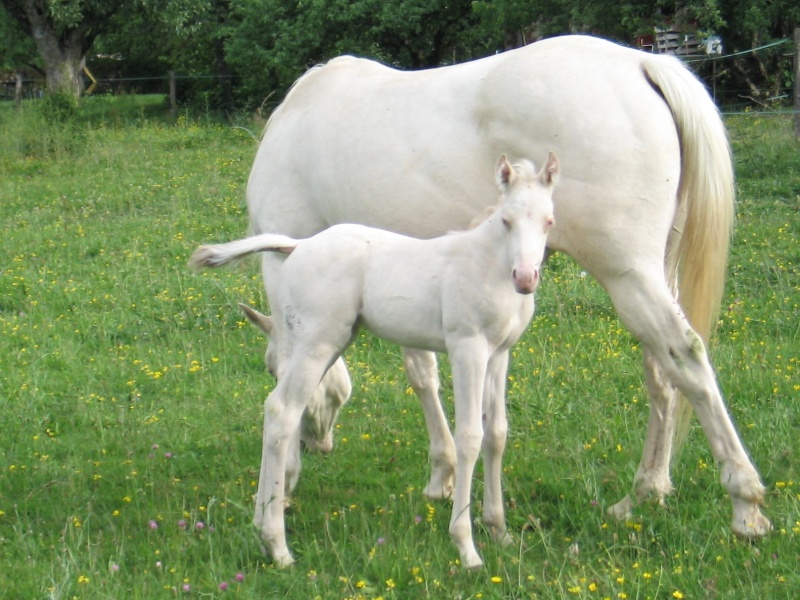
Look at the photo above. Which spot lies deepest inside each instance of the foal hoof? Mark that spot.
(472, 563)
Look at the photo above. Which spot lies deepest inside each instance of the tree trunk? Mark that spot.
(65, 71)
(63, 55)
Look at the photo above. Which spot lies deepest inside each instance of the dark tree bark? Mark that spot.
(62, 45)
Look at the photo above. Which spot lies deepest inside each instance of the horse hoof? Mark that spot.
(438, 492)
(622, 510)
(283, 560)
(750, 524)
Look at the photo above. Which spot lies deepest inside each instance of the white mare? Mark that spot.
(469, 294)
(646, 205)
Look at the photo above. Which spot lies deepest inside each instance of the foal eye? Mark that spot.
(549, 223)
(506, 224)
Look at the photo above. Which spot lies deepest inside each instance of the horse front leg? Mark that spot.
(495, 432)
(423, 376)
(469, 360)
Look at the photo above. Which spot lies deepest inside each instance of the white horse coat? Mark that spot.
(645, 204)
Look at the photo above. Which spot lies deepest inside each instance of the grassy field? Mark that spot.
(132, 392)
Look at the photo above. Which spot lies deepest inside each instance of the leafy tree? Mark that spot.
(766, 74)
(190, 38)
(17, 52)
(523, 21)
(63, 31)
(272, 42)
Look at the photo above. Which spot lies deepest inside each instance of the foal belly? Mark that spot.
(404, 321)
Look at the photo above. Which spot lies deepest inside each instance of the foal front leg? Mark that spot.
(468, 359)
(495, 432)
(423, 375)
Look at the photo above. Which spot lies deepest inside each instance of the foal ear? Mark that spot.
(262, 321)
(504, 172)
(549, 172)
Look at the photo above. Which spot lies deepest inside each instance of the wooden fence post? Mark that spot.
(173, 95)
(797, 83)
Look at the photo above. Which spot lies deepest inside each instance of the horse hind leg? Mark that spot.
(645, 304)
(652, 479)
(423, 376)
(320, 416)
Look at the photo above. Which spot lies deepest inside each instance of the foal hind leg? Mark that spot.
(654, 317)
(423, 375)
(652, 480)
(283, 410)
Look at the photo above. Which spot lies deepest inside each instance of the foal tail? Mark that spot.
(217, 255)
(697, 256)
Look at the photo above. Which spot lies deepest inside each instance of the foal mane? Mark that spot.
(482, 216)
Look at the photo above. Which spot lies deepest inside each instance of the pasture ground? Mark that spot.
(132, 392)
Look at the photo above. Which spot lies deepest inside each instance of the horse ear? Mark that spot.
(504, 172)
(262, 321)
(549, 173)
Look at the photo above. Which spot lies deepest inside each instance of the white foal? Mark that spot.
(469, 294)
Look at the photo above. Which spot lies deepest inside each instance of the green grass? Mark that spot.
(132, 392)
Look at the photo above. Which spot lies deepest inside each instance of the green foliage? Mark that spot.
(768, 73)
(239, 53)
(133, 392)
(58, 108)
(274, 42)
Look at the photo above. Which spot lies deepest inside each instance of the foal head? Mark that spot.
(526, 213)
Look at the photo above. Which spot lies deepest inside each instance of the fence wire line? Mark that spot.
(740, 53)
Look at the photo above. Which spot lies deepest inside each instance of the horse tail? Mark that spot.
(217, 255)
(697, 255)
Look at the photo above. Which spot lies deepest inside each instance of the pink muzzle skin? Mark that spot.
(526, 280)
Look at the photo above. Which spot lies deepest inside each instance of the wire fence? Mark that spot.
(714, 69)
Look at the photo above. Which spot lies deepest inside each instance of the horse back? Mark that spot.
(356, 141)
